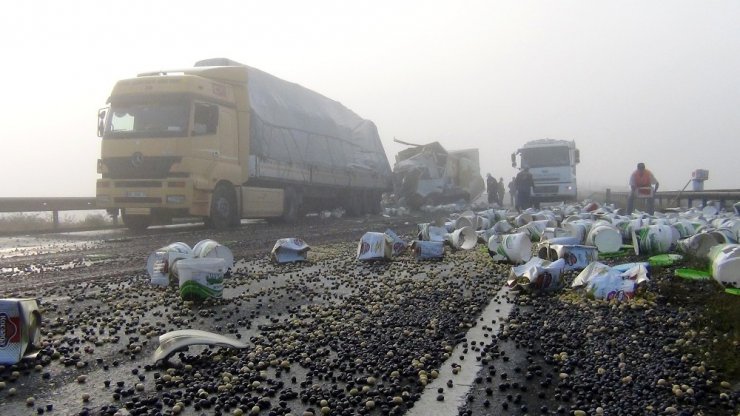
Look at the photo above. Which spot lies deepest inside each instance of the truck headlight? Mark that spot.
(175, 199)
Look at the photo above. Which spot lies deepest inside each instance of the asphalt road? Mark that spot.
(331, 336)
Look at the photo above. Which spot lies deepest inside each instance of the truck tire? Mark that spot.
(136, 223)
(223, 207)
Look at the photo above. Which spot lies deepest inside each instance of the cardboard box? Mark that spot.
(20, 329)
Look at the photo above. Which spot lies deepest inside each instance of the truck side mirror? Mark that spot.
(513, 160)
(578, 156)
(101, 121)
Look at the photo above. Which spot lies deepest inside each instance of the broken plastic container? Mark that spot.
(604, 282)
(289, 250)
(537, 274)
(375, 246)
(575, 257)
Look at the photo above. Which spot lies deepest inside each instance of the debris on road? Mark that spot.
(604, 282)
(20, 329)
(289, 250)
(173, 341)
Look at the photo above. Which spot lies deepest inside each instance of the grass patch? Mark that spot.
(717, 313)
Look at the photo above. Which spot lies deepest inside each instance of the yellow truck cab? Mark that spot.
(224, 141)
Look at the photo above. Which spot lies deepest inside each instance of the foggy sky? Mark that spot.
(629, 81)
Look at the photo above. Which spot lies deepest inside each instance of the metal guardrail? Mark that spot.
(668, 199)
(47, 204)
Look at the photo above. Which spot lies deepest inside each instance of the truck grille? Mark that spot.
(138, 200)
(550, 189)
(146, 167)
(138, 184)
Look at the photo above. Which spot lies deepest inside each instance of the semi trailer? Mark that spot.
(224, 141)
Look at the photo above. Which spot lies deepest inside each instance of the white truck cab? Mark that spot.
(552, 164)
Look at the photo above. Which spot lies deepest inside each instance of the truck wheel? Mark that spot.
(291, 206)
(223, 207)
(136, 223)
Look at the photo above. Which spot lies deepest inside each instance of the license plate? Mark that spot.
(136, 194)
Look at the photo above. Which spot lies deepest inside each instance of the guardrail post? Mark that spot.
(55, 219)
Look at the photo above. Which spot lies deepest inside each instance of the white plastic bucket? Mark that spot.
(201, 278)
(725, 263)
(425, 250)
(577, 229)
(502, 227)
(698, 245)
(522, 219)
(516, 248)
(465, 238)
(160, 264)
(466, 222)
(212, 249)
(554, 232)
(653, 239)
(685, 228)
(605, 238)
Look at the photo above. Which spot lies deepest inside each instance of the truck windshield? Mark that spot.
(545, 156)
(163, 119)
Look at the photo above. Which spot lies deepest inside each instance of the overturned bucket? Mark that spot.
(464, 238)
(606, 238)
(725, 264)
(428, 250)
(516, 248)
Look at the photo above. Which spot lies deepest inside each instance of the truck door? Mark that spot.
(214, 132)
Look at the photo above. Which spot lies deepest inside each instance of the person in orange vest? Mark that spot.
(642, 185)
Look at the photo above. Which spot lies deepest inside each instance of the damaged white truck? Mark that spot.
(431, 175)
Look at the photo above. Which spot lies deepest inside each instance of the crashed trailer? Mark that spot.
(429, 174)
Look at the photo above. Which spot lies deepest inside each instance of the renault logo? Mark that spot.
(137, 159)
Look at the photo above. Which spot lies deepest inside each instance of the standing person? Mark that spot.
(492, 189)
(512, 190)
(501, 191)
(642, 185)
(524, 184)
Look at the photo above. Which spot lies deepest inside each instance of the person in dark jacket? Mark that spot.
(512, 190)
(492, 189)
(501, 191)
(524, 184)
